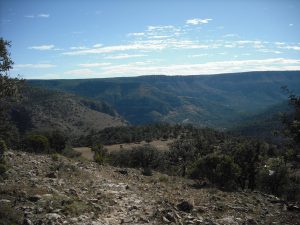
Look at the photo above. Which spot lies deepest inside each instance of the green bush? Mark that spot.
(3, 149)
(57, 141)
(100, 153)
(36, 143)
(146, 157)
(55, 156)
(218, 169)
(3, 169)
(69, 152)
(273, 177)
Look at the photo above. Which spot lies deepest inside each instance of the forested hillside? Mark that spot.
(220, 101)
(42, 110)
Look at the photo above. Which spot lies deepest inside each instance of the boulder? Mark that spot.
(185, 206)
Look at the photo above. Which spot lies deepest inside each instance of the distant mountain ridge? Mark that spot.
(220, 101)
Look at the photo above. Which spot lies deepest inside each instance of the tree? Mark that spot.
(8, 86)
(9, 90)
(36, 143)
(182, 152)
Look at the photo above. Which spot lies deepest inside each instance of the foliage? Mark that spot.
(36, 143)
(181, 153)
(69, 152)
(57, 140)
(9, 215)
(3, 149)
(100, 153)
(9, 91)
(274, 177)
(145, 157)
(218, 169)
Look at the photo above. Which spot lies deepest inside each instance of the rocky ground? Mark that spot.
(41, 189)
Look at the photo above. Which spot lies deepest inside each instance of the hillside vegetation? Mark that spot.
(220, 101)
(40, 110)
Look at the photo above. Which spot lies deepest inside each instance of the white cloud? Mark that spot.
(138, 34)
(291, 24)
(198, 55)
(94, 64)
(204, 68)
(197, 21)
(81, 72)
(97, 45)
(269, 51)
(42, 47)
(296, 48)
(78, 48)
(29, 16)
(125, 56)
(43, 15)
(35, 66)
(115, 48)
(230, 35)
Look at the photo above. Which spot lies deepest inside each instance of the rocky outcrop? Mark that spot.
(39, 190)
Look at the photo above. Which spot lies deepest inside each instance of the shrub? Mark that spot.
(57, 141)
(273, 177)
(55, 157)
(69, 152)
(3, 149)
(100, 153)
(36, 143)
(218, 169)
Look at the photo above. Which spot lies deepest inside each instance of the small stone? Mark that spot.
(123, 172)
(27, 221)
(52, 175)
(34, 198)
(170, 216)
(166, 220)
(53, 216)
(185, 206)
(4, 201)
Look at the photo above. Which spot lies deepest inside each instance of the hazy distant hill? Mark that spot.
(42, 109)
(215, 100)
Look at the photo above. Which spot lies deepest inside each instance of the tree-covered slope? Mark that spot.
(215, 100)
(42, 109)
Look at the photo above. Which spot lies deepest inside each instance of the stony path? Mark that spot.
(44, 190)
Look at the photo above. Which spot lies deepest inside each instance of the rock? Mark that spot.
(52, 175)
(123, 172)
(53, 216)
(72, 191)
(295, 208)
(27, 221)
(166, 220)
(4, 201)
(34, 198)
(170, 216)
(185, 206)
(228, 220)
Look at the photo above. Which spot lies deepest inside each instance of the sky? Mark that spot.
(65, 39)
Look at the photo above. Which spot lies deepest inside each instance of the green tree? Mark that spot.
(9, 90)
(182, 152)
(57, 141)
(100, 153)
(37, 143)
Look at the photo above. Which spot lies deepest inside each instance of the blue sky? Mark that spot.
(82, 39)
